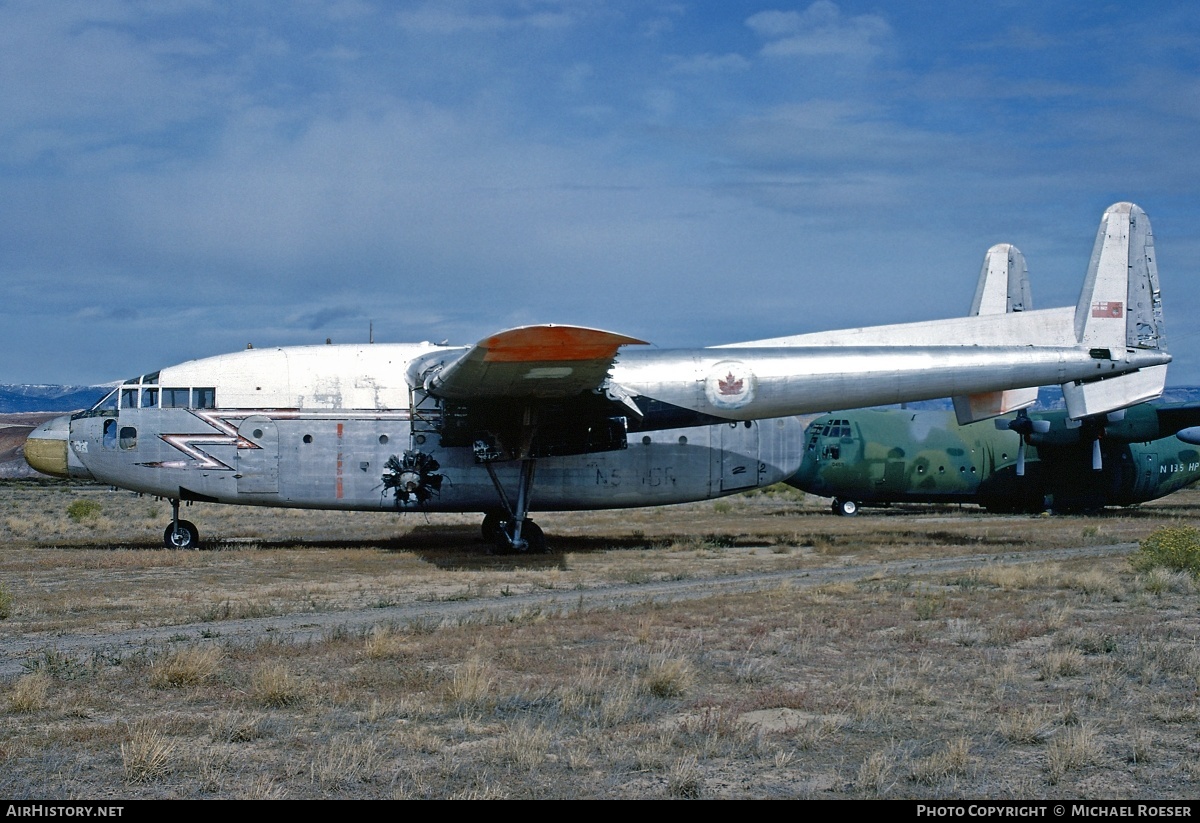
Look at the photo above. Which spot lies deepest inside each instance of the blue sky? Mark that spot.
(180, 178)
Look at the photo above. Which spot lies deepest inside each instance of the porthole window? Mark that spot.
(383, 439)
(308, 438)
(645, 440)
(419, 439)
(683, 440)
(258, 433)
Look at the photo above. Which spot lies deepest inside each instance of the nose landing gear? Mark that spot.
(180, 534)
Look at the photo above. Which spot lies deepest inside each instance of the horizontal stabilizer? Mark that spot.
(1117, 392)
(968, 408)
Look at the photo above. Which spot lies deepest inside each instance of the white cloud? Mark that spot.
(820, 31)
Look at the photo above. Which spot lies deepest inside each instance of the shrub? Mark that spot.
(186, 667)
(1176, 548)
(6, 602)
(81, 510)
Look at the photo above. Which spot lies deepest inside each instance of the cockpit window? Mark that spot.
(204, 398)
(196, 398)
(108, 402)
(129, 398)
(175, 398)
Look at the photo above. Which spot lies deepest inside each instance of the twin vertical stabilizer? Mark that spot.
(1003, 287)
(1119, 314)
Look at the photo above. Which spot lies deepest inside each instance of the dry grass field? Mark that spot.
(1013, 672)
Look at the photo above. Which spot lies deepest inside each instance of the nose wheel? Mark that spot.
(180, 534)
(845, 508)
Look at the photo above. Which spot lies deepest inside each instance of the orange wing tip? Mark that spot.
(554, 343)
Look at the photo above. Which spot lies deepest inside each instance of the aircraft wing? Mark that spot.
(547, 361)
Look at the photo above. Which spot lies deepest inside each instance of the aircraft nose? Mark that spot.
(46, 447)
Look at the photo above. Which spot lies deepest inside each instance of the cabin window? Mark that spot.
(128, 437)
(175, 398)
(204, 398)
(110, 434)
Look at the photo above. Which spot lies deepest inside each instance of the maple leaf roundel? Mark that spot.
(730, 385)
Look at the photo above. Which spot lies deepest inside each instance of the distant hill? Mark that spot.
(17, 399)
(24, 407)
(1051, 398)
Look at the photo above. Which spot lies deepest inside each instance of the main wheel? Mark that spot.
(535, 538)
(493, 526)
(846, 508)
(187, 536)
(531, 534)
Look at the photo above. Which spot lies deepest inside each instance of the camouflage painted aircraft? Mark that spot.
(567, 418)
(1028, 462)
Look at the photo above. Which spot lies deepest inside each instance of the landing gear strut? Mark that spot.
(180, 534)
(510, 529)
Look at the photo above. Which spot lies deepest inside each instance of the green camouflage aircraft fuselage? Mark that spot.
(883, 456)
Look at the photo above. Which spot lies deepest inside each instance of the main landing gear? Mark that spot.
(509, 529)
(180, 534)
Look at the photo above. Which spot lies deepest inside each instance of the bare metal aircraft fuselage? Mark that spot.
(561, 418)
(320, 433)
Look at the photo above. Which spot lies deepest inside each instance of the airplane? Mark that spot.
(555, 418)
(1027, 462)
